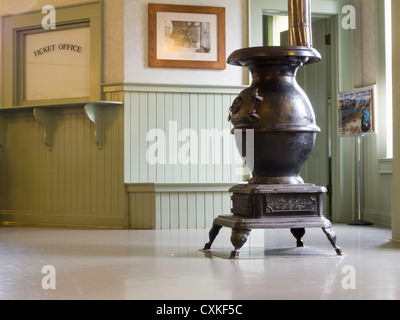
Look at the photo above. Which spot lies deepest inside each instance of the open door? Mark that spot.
(314, 79)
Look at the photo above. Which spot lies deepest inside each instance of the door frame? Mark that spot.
(341, 69)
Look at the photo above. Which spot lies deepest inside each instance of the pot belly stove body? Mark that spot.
(276, 114)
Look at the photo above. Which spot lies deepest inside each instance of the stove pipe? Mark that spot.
(300, 30)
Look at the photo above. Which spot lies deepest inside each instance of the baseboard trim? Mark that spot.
(378, 217)
(27, 218)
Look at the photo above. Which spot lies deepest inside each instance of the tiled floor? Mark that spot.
(167, 264)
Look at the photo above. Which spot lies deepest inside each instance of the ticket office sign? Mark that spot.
(57, 64)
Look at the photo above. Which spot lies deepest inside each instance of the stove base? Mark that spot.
(273, 207)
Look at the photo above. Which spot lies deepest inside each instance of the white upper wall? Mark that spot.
(125, 40)
(136, 52)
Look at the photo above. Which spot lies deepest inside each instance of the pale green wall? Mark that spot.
(396, 117)
(368, 69)
(376, 170)
(77, 183)
(176, 195)
(187, 201)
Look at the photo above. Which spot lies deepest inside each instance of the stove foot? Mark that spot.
(330, 234)
(238, 239)
(298, 233)
(212, 234)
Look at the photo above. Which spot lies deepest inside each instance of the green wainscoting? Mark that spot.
(76, 183)
(174, 194)
(81, 183)
(177, 205)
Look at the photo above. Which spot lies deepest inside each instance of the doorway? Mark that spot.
(315, 81)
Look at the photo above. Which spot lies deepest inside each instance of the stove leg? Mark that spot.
(212, 234)
(298, 233)
(238, 239)
(330, 234)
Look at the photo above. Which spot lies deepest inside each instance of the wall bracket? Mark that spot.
(44, 117)
(94, 111)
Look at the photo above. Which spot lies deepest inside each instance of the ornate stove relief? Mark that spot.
(248, 113)
(307, 204)
(236, 106)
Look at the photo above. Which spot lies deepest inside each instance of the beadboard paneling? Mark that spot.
(376, 185)
(190, 210)
(174, 195)
(171, 112)
(152, 207)
(75, 183)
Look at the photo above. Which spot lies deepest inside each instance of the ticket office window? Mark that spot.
(53, 66)
(56, 65)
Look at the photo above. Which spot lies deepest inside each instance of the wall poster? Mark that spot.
(356, 111)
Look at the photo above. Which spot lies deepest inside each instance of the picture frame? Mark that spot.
(185, 36)
(356, 110)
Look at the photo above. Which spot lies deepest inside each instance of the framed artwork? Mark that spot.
(183, 36)
(356, 111)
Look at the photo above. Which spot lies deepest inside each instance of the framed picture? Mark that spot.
(356, 111)
(183, 36)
